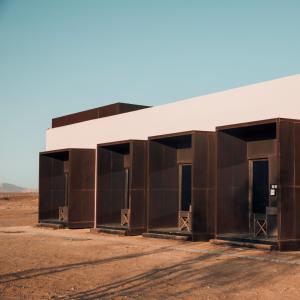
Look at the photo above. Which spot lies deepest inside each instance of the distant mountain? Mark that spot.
(11, 188)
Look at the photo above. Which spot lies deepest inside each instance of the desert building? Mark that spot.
(254, 146)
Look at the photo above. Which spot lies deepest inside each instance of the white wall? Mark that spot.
(271, 99)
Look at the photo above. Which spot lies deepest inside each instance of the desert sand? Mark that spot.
(37, 263)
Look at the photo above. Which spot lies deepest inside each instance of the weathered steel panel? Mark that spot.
(297, 154)
(185, 155)
(44, 187)
(111, 182)
(81, 186)
(261, 148)
(204, 185)
(138, 160)
(163, 185)
(95, 113)
(289, 189)
(138, 185)
(287, 153)
(232, 193)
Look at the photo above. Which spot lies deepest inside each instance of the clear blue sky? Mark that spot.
(63, 56)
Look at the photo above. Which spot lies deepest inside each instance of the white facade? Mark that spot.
(267, 100)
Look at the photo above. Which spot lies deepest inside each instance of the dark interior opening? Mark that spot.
(178, 142)
(253, 132)
(66, 189)
(114, 173)
(260, 186)
(54, 180)
(126, 188)
(119, 148)
(62, 156)
(186, 187)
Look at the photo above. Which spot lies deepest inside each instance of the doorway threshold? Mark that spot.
(246, 240)
(173, 233)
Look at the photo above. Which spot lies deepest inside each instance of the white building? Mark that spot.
(266, 100)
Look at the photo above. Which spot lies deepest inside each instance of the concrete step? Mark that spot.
(109, 231)
(167, 236)
(51, 225)
(260, 246)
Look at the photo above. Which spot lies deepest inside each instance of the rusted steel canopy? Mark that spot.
(166, 153)
(67, 184)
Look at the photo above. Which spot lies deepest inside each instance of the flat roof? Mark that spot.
(279, 98)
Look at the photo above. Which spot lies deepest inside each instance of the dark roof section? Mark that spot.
(96, 113)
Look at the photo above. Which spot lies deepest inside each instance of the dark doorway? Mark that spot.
(185, 187)
(66, 182)
(126, 195)
(66, 189)
(260, 186)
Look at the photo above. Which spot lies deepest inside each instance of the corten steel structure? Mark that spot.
(182, 185)
(67, 187)
(121, 187)
(96, 113)
(258, 183)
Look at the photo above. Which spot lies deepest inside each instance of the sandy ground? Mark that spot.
(40, 263)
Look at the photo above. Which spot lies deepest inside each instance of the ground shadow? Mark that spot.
(32, 273)
(231, 276)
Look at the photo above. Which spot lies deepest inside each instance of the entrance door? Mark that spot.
(185, 187)
(126, 190)
(260, 186)
(66, 189)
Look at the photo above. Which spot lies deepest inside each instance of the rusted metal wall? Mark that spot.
(110, 187)
(138, 181)
(80, 187)
(232, 189)
(289, 232)
(163, 203)
(204, 185)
